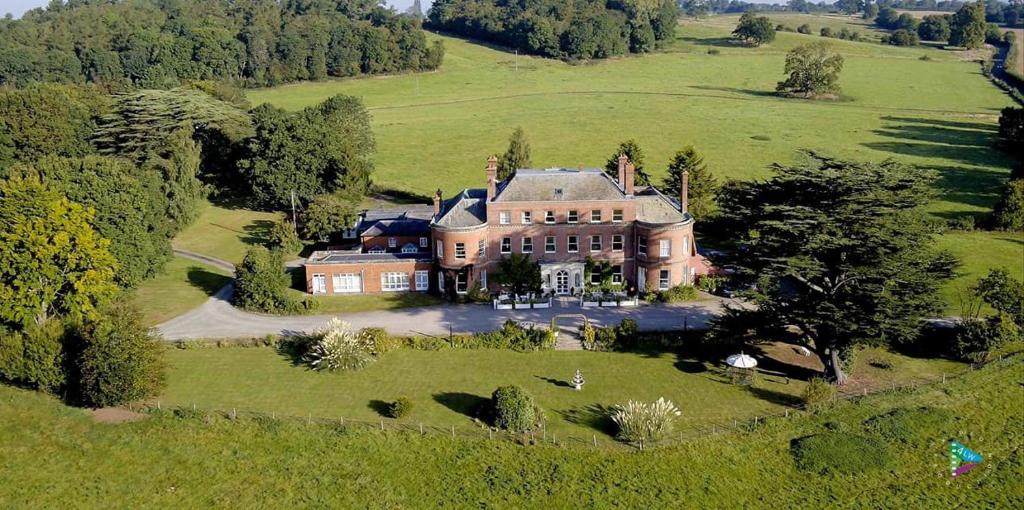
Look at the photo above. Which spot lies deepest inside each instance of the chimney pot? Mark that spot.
(684, 192)
(437, 202)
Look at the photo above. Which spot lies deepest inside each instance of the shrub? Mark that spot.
(976, 338)
(1009, 211)
(710, 282)
(478, 294)
(678, 294)
(338, 347)
(839, 453)
(33, 357)
(902, 38)
(826, 32)
(818, 394)
(283, 236)
(400, 408)
(514, 409)
(261, 284)
(639, 422)
(379, 340)
(120, 359)
(804, 29)
(513, 336)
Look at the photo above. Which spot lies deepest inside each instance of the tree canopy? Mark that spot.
(842, 250)
(631, 148)
(813, 71)
(516, 156)
(160, 44)
(703, 186)
(754, 30)
(582, 29)
(967, 28)
(48, 120)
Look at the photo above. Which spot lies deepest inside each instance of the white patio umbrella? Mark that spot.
(741, 361)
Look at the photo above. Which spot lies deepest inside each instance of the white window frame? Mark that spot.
(550, 244)
(504, 217)
(664, 279)
(422, 280)
(595, 216)
(375, 250)
(341, 283)
(481, 247)
(410, 248)
(617, 274)
(440, 281)
(483, 279)
(665, 248)
(617, 215)
(460, 250)
(600, 243)
(572, 244)
(686, 246)
(618, 242)
(392, 242)
(461, 278)
(526, 245)
(526, 217)
(573, 217)
(506, 245)
(322, 277)
(440, 249)
(549, 217)
(424, 242)
(394, 282)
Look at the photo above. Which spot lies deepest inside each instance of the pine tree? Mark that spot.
(703, 185)
(517, 156)
(635, 154)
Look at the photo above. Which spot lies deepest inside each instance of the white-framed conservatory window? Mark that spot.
(391, 282)
(347, 283)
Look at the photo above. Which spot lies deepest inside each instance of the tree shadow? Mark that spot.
(734, 90)
(557, 382)
(771, 366)
(379, 406)
(293, 346)
(775, 397)
(472, 406)
(593, 416)
(690, 366)
(975, 126)
(206, 281)
(257, 232)
(718, 42)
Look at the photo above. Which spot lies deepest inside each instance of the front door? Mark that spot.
(562, 282)
(319, 283)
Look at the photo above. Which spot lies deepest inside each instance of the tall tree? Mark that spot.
(631, 148)
(703, 186)
(518, 274)
(813, 71)
(754, 30)
(967, 29)
(48, 120)
(842, 250)
(52, 262)
(516, 156)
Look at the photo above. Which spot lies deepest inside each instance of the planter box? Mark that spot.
(631, 302)
(608, 304)
(542, 305)
(521, 306)
(502, 306)
(590, 304)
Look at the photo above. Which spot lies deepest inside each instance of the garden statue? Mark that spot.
(577, 380)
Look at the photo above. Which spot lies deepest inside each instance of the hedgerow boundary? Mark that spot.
(483, 432)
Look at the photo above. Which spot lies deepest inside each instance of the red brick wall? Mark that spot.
(382, 242)
(370, 272)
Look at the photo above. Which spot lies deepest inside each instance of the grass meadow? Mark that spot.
(56, 456)
(183, 285)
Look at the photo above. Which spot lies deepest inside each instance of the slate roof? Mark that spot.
(467, 209)
(655, 208)
(396, 228)
(559, 184)
(405, 221)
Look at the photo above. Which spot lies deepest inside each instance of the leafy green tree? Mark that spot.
(901, 37)
(1008, 213)
(129, 206)
(47, 119)
(754, 30)
(1003, 293)
(517, 156)
(702, 184)
(967, 28)
(870, 11)
(285, 237)
(321, 149)
(849, 6)
(518, 274)
(1011, 131)
(261, 284)
(842, 250)
(54, 264)
(328, 215)
(934, 28)
(176, 160)
(117, 359)
(631, 148)
(813, 71)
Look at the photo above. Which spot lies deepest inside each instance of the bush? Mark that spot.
(976, 338)
(902, 38)
(478, 294)
(639, 422)
(839, 453)
(710, 283)
(120, 359)
(33, 358)
(400, 408)
(804, 29)
(623, 336)
(678, 294)
(1009, 211)
(826, 32)
(514, 409)
(338, 347)
(515, 337)
(283, 236)
(261, 283)
(818, 394)
(379, 340)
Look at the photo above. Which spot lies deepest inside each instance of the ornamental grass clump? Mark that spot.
(640, 422)
(338, 347)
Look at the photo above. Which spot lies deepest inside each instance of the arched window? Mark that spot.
(410, 248)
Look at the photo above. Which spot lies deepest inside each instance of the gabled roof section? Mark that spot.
(395, 221)
(655, 208)
(558, 185)
(467, 209)
(395, 228)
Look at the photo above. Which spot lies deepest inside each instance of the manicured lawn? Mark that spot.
(55, 456)
(446, 386)
(979, 252)
(225, 231)
(182, 286)
(368, 302)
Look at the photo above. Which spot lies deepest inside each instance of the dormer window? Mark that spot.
(375, 250)
(410, 248)
(558, 193)
(549, 217)
(392, 242)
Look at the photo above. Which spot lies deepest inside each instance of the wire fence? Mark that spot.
(599, 440)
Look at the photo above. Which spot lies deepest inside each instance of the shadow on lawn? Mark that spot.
(379, 406)
(593, 416)
(775, 397)
(473, 406)
(257, 232)
(206, 281)
(557, 382)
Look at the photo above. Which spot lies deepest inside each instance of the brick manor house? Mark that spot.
(558, 216)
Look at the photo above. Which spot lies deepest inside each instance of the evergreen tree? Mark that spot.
(517, 156)
(967, 29)
(703, 186)
(635, 154)
(842, 250)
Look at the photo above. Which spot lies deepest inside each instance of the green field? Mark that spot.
(55, 456)
(183, 285)
(446, 385)
(979, 252)
(225, 231)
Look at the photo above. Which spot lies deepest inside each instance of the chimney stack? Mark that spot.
(684, 192)
(437, 202)
(622, 170)
(492, 177)
(627, 178)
